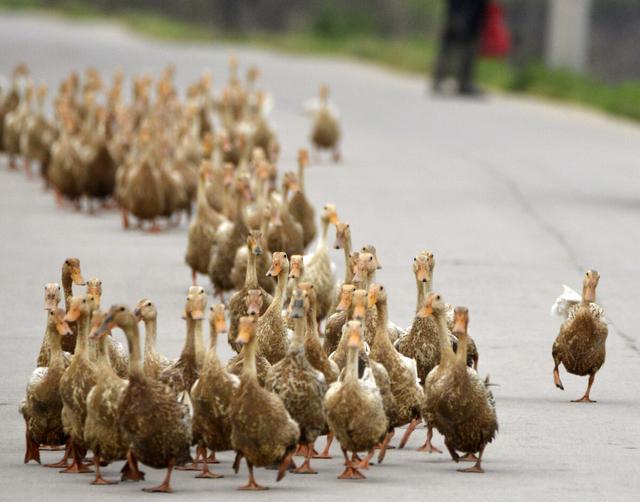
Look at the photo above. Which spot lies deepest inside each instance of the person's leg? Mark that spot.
(447, 43)
(475, 17)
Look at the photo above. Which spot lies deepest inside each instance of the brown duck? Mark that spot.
(580, 346)
(155, 426)
(457, 402)
(262, 431)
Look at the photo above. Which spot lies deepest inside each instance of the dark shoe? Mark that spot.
(471, 91)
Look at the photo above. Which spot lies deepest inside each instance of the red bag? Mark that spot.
(495, 41)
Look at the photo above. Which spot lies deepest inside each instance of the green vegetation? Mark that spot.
(350, 35)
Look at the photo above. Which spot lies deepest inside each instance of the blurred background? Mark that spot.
(577, 50)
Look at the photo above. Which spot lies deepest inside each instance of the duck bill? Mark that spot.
(359, 312)
(423, 274)
(63, 328)
(425, 311)
(138, 313)
(294, 272)
(274, 270)
(106, 325)
(354, 339)
(244, 336)
(344, 304)
(73, 315)
(50, 304)
(76, 277)
(459, 326)
(357, 276)
(197, 314)
(257, 250)
(333, 218)
(220, 326)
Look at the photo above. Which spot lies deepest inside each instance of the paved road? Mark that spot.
(514, 196)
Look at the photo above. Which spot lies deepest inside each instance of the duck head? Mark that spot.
(253, 302)
(217, 319)
(589, 285)
(460, 321)
(254, 242)
(78, 306)
(145, 310)
(376, 294)
(433, 304)
(279, 264)
(423, 267)
(346, 297)
(52, 295)
(296, 266)
(196, 303)
(246, 330)
(71, 268)
(343, 235)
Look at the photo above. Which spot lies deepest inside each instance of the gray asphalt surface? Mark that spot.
(514, 196)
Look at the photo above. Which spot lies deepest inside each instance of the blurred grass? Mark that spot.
(350, 37)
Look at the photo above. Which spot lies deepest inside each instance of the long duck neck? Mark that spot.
(278, 298)
(463, 349)
(150, 329)
(251, 274)
(102, 352)
(135, 357)
(312, 321)
(351, 375)
(348, 271)
(249, 360)
(56, 358)
(83, 335)
(381, 339)
(301, 177)
(446, 350)
(297, 343)
(67, 287)
(423, 289)
(198, 339)
(189, 348)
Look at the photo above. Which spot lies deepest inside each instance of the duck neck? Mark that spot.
(67, 287)
(278, 298)
(83, 334)
(322, 242)
(56, 359)
(133, 341)
(348, 270)
(381, 334)
(446, 350)
(312, 321)
(251, 274)
(198, 337)
(150, 332)
(249, 360)
(189, 348)
(201, 196)
(423, 289)
(297, 343)
(102, 352)
(463, 349)
(351, 375)
(301, 177)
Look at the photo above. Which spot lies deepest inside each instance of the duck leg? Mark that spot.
(99, 479)
(364, 463)
(384, 446)
(325, 453)
(76, 467)
(428, 446)
(252, 484)
(556, 377)
(305, 468)
(32, 450)
(196, 461)
(211, 459)
(63, 462)
(287, 464)
(469, 457)
(412, 426)
(585, 398)
(452, 451)
(206, 473)
(125, 218)
(154, 228)
(350, 472)
(236, 462)
(301, 450)
(130, 471)
(476, 468)
(165, 486)
(49, 447)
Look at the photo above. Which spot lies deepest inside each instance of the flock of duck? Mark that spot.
(144, 154)
(314, 356)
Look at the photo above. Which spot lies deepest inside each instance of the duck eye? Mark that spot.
(121, 309)
(148, 304)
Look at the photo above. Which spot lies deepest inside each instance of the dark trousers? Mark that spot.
(459, 41)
